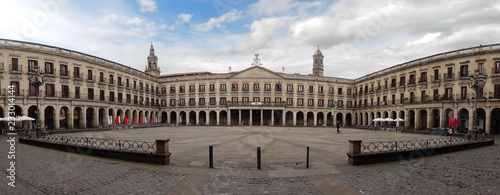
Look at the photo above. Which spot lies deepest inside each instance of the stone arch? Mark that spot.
(411, 120)
(77, 118)
(289, 118)
(222, 118)
(212, 118)
(49, 112)
(90, 117)
(310, 119)
(348, 119)
(435, 118)
(495, 121)
(339, 118)
(64, 117)
(192, 118)
(173, 117)
(463, 118)
(202, 118)
(164, 117)
(300, 119)
(481, 120)
(423, 119)
(319, 121)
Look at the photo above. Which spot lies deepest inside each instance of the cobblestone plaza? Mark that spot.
(45, 171)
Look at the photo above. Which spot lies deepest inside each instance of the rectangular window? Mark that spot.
(15, 64)
(289, 101)
(101, 95)
(402, 98)
(330, 90)
(135, 85)
(412, 79)
(120, 82)
(76, 72)
(448, 93)
(222, 87)
(464, 71)
(32, 91)
(202, 101)
(172, 102)
(300, 88)
(147, 87)
(16, 87)
(255, 87)
(245, 100)
(89, 75)
(223, 101)
(496, 93)
(267, 87)
(422, 96)
(32, 65)
(267, 100)
(212, 101)
(423, 77)
(182, 89)
(393, 99)
(349, 104)
(371, 101)
(311, 89)
(212, 87)
(393, 83)
(111, 96)
(192, 102)
(384, 101)
(77, 92)
(182, 102)
(129, 98)
(300, 102)
(64, 70)
(111, 78)
(436, 75)
(402, 81)
(340, 103)
(90, 94)
(310, 102)
(201, 88)
(172, 90)
(49, 68)
(234, 87)
(480, 67)
(128, 83)
(463, 94)
(49, 90)
(277, 100)
(289, 88)
(348, 91)
(65, 91)
(340, 91)
(330, 103)
(256, 99)
(278, 87)
(320, 89)
(378, 100)
(321, 103)
(135, 99)
(245, 87)
(234, 100)
(449, 75)
(120, 97)
(496, 69)
(435, 93)
(411, 96)
(141, 86)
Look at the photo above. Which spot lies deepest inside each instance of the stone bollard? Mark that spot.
(162, 146)
(354, 146)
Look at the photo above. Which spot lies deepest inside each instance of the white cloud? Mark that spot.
(218, 22)
(426, 39)
(147, 5)
(183, 18)
(281, 7)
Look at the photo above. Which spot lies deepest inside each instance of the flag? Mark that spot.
(234, 84)
(140, 119)
(150, 120)
(279, 85)
(333, 111)
(125, 120)
(450, 122)
(133, 119)
(117, 121)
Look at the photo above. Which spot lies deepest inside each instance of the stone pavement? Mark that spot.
(44, 171)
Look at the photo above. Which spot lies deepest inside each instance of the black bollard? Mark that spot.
(258, 157)
(211, 156)
(307, 160)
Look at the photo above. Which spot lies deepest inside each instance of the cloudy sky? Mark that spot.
(357, 37)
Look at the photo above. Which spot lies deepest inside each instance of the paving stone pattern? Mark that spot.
(260, 185)
(474, 172)
(42, 171)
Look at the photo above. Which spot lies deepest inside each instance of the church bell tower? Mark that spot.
(152, 67)
(318, 63)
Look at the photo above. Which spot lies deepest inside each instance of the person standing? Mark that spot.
(338, 127)
(375, 127)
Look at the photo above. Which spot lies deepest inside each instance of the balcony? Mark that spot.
(435, 79)
(120, 85)
(269, 104)
(50, 72)
(393, 85)
(422, 80)
(495, 72)
(91, 79)
(15, 69)
(102, 81)
(463, 75)
(78, 77)
(401, 84)
(448, 77)
(64, 74)
(411, 82)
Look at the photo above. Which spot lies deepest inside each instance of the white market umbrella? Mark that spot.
(378, 119)
(388, 120)
(399, 119)
(25, 118)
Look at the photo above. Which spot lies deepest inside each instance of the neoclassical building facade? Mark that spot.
(85, 91)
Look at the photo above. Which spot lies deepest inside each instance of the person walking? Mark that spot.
(338, 127)
(375, 127)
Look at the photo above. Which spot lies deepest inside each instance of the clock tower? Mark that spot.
(318, 63)
(152, 67)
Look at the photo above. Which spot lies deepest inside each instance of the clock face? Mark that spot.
(256, 72)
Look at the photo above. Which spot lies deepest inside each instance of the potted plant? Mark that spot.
(436, 97)
(406, 100)
(426, 98)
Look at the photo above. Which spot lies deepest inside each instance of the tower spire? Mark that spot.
(152, 66)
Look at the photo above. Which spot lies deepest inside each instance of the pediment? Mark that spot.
(256, 72)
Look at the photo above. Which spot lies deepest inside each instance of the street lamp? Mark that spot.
(476, 82)
(36, 82)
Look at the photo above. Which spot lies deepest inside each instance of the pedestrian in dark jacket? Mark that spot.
(338, 127)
